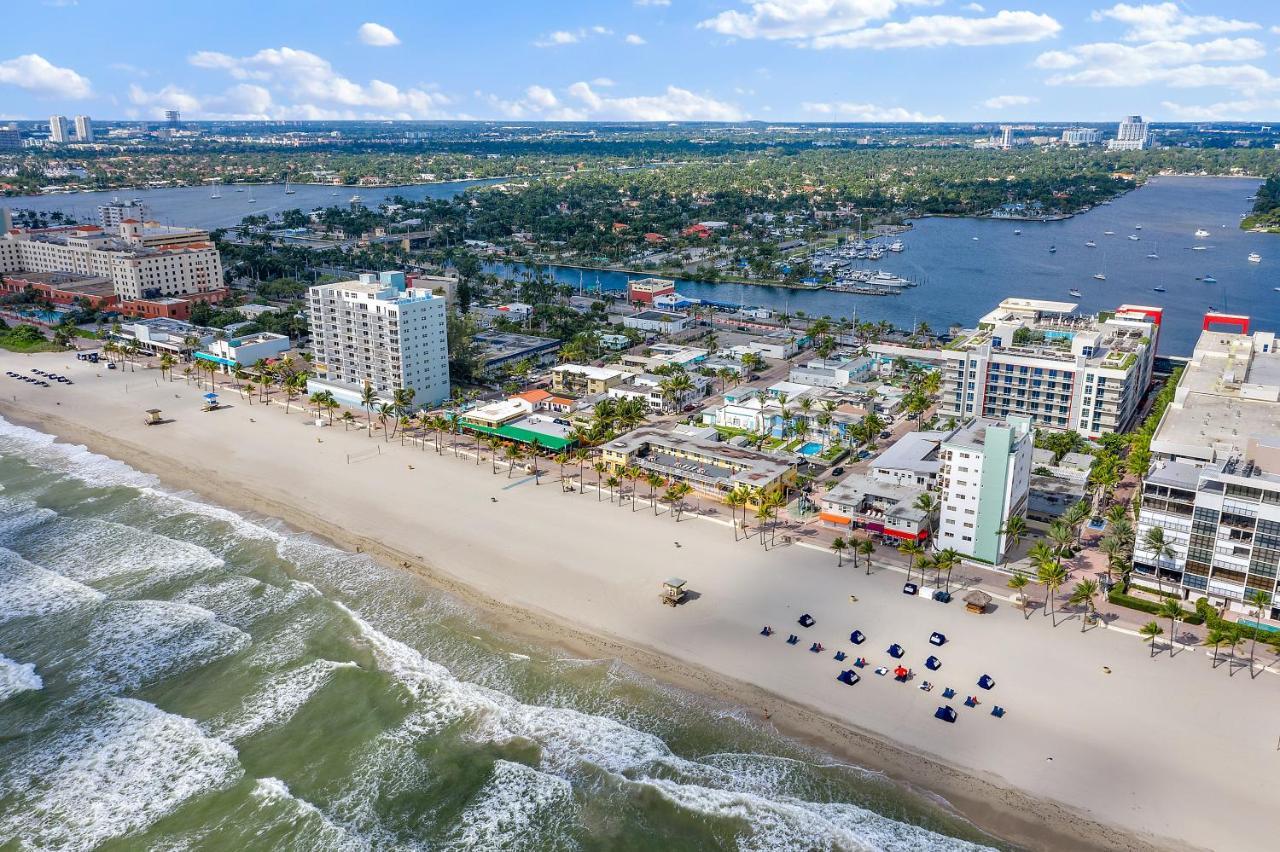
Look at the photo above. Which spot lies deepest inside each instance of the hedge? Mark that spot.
(1121, 599)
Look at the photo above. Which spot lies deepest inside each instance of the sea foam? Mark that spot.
(17, 677)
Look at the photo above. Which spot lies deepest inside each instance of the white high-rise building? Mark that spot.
(376, 332)
(112, 214)
(84, 128)
(985, 479)
(1082, 136)
(1006, 136)
(1131, 135)
(58, 129)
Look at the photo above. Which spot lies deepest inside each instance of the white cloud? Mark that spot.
(632, 38)
(376, 35)
(241, 102)
(560, 38)
(942, 30)
(1167, 22)
(973, 7)
(38, 75)
(1172, 63)
(849, 111)
(798, 19)
(304, 85)
(653, 2)
(583, 101)
(1006, 101)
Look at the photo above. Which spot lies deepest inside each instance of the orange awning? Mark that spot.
(833, 518)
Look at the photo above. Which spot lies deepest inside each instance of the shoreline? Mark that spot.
(983, 798)
(994, 809)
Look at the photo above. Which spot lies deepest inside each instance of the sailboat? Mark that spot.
(1102, 276)
(213, 190)
(251, 199)
(1091, 244)
(1155, 252)
(288, 190)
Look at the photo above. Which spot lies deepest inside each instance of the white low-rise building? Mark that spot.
(234, 352)
(832, 372)
(914, 459)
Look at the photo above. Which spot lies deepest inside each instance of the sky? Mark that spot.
(644, 60)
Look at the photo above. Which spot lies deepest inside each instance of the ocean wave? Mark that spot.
(240, 601)
(17, 677)
(306, 825)
(74, 460)
(276, 700)
(28, 590)
(518, 808)
(111, 775)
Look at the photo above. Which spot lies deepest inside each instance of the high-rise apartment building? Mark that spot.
(1082, 136)
(1038, 359)
(10, 138)
(84, 128)
(142, 261)
(378, 333)
(1214, 488)
(1006, 136)
(110, 215)
(58, 129)
(1131, 135)
(985, 478)
(173, 118)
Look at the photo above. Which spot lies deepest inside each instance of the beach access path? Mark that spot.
(1162, 752)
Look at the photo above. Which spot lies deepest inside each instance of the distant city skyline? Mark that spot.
(648, 60)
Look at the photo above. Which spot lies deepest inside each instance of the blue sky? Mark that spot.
(660, 60)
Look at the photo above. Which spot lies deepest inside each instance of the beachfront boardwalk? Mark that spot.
(1094, 722)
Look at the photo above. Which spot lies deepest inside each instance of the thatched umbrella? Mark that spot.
(977, 601)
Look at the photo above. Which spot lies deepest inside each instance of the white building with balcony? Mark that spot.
(985, 479)
(376, 332)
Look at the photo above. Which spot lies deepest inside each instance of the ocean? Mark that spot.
(174, 675)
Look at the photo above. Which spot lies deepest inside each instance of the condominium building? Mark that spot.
(1131, 135)
(58, 133)
(1214, 489)
(142, 261)
(114, 212)
(84, 128)
(1038, 359)
(985, 478)
(1082, 136)
(10, 138)
(376, 332)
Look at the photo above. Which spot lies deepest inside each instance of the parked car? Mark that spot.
(885, 435)
(839, 471)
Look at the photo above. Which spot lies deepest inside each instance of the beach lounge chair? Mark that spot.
(971, 702)
(997, 711)
(793, 639)
(986, 681)
(936, 638)
(848, 676)
(861, 662)
(910, 588)
(882, 671)
(948, 693)
(933, 664)
(841, 656)
(946, 714)
(926, 686)
(895, 651)
(766, 631)
(806, 620)
(816, 647)
(857, 638)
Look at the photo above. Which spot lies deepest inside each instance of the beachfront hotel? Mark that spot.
(1038, 359)
(1214, 486)
(985, 478)
(142, 260)
(697, 458)
(376, 332)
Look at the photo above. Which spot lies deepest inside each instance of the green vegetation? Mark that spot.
(1120, 599)
(1266, 210)
(25, 338)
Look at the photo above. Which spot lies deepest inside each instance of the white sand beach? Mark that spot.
(1160, 753)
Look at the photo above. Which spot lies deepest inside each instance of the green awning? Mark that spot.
(521, 436)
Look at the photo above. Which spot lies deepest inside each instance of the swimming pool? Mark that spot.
(810, 449)
(1265, 628)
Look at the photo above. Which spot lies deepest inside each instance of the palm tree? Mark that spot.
(1051, 575)
(1084, 593)
(679, 491)
(1018, 582)
(762, 517)
(913, 550)
(1075, 516)
(1172, 610)
(290, 394)
(368, 399)
(1160, 548)
(1118, 512)
(613, 483)
(947, 559)
(1261, 601)
(1151, 630)
(737, 498)
(347, 419)
(1062, 536)
(633, 472)
(1014, 529)
(654, 481)
(1215, 637)
(600, 469)
(316, 399)
(866, 547)
(583, 453)
(166, 365)
(839, 546)
(386, 411)
(513, 454)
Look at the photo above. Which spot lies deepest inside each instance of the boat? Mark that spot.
(288, 190)
(1017, 231)
(239, 189)
(1254, 257)
(1201, 232)
(1091, 244)
(896, 245)
(1209, 279)
(1137, 227)
(1108, 233)
(1053, 249)
(1133, 237)
(213, 190)
(1075, 293)
(1199, 248)
(1158, 289)
(1154, 256)
(1099, 276)
(975, 239)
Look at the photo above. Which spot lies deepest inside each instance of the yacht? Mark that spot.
(1154, 256)
(1078, 295)
(1254, 257)
(975, 239)
(1113, 233)
(1099, 276)
(1199, 248)
(1091, 244)
(1053, 249)
(1017, 232)
(896, 245)
(1209, 279)
(1137, 227)
(1201, 232)
(1133, 237)
(1158, 288)
(288, 190)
